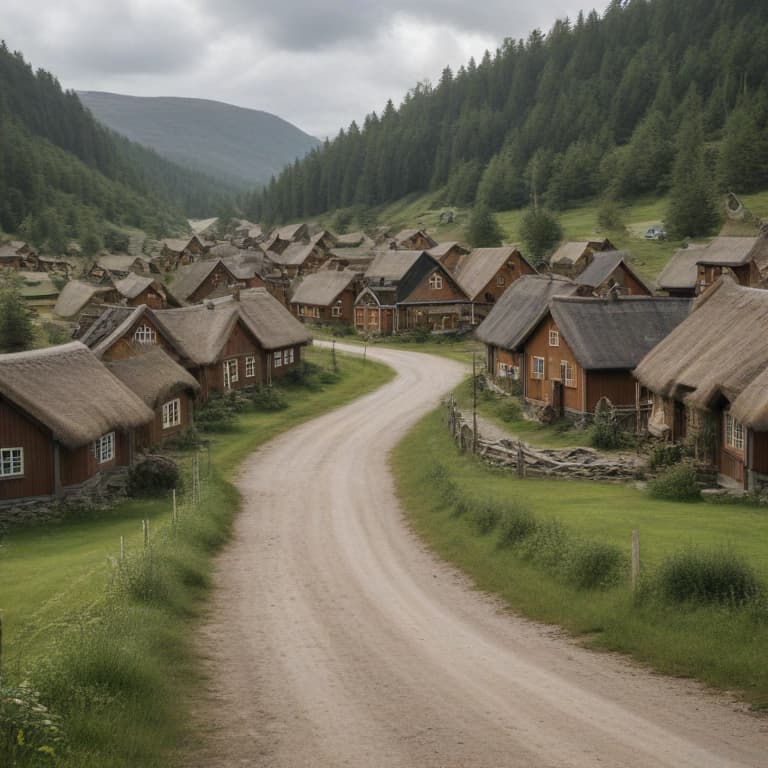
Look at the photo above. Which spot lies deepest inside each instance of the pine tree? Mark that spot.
(483, 230)
(540, 232)
(16, 332)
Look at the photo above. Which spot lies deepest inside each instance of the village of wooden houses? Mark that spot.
(154, 337)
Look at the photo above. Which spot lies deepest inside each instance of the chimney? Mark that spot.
(236, 291)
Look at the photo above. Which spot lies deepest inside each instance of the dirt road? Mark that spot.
(336, 639)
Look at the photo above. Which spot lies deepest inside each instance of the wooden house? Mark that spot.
(324, 240)
(38, 290)
(135, 290)
(572, 258)
(298, 259)
(164, 387)
(279, 239)
(485, 273)
(733, 255)
(115, 266)
(175, 252)
(585, 348)
(608, 271)
(513, 318)
(448, 254)
(77, 296)
(412, 240)
(709, 383)
(679, 276)
(65, 421)
(327, 296)
(354, 240)
(193, 283)
(18, 255)
(435, 303)
(248, 267)
(392, 276)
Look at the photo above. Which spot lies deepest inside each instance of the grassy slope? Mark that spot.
(578, 222)
(722, 647)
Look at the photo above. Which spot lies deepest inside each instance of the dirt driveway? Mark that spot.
(337, 639)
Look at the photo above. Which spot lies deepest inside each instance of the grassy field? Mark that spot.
(109, 650)
(721, 645)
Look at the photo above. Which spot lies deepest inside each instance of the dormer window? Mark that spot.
(436, 282)
(145, 334)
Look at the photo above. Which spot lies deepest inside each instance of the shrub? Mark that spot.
(152, 474)
(217, 415)
(485, 516)
(606, 434)
(698, 576)
(547, 545)
(342, 329)
(593, 565)
(304, 375)
(676, 483)
(510, 410)
(665, 454)
(268, 399)
(516, 524)
(462, 507)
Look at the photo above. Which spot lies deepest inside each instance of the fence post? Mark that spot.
(635, 559)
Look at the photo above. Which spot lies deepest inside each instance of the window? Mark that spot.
(554, 338)
(230, 373)
(172, 413)
(514, 372)
(278, 358)
(500, 280)
(503, 369)
(566, 374)
(537, 368)
(145, 334)
(11, 462)
(336, 311)
(302, 311)
(250, 367)
(436, 282)
(734, 433)
(288, 356)
(104, 448)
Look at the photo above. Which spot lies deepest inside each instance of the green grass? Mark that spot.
(110, 650)
(721, 646)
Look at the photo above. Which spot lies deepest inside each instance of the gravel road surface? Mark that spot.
(336, 638)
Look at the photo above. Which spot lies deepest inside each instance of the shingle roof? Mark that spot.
(407, 234)
(728, 251)
(290, 231)
(520, 309)
(69, 390)
(75, 295)
(153, 376)
(118, 262)
(323, 288)
(476, 269)
(107, 323)
(293, 256)
(442, 248)
(391, 266)
(187, 279)
(132, 285)
(602, 267)
(569, 253)
(615, 333)
(680, 271)
(720, 349)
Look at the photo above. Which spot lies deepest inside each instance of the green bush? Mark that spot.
(462, 507)
(698, 576)
(593, 565)
(218, 414)
(485, 516)
(665, 455)
(509, 409)
(546, 546)
(266, 398)
(517, 523)
(606, 434)
(676, 483)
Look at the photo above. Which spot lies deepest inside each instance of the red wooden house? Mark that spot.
(327, 296)
(609, 271)
(202, 280)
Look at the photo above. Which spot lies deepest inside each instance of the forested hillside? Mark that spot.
(601, 105)
(243, 147)
(64, 175)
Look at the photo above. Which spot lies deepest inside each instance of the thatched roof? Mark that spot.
(119, 262)
(153, 376)
(174, 244)
(269, 321)
(727, 251)
(441, 249)
(293, 256)
(391, 266)
(245, 264)
(521, 308)
(680, 271)
(353, 240)
(223, 250)
(569, 253)
(69, 391)
(75, 295)
(407, 234)
(476, 269)
(719, 351)
(616, 333)
(602, 266)
(188, 278)
(132, 285)
(323, 288)
(292, 232)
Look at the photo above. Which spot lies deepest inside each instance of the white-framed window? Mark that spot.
(11, 462)
(335, 311)
(145, 334)
(250, 367)
(288, 356)
(172, 413)
(734, 433)
(231, 374)
(503, 369)
(566, 374)
(501, 280)
(537, 367)
(554, 338)
(278, 358)
(436, 282)
(104, 448)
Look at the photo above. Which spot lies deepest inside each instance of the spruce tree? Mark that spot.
(483, 230)
(16, 331)
(540, 232)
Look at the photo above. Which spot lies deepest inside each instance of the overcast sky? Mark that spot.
(318, 64)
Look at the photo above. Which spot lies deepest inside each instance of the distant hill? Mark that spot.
(241, 146)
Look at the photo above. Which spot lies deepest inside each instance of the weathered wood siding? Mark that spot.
(17, 430)
(154, 434)
(80, 464)
(627, 282)
(617, 386)
(759, 451)
(126, 347)
(371, 318)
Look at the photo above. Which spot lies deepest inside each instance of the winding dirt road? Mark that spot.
(337, 639)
